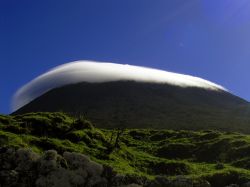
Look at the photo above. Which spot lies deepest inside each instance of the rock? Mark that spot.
(55, 178)
(93, 168)
(118, 180)
(246, 184)
(181, 181)
(131, 185)
(78, 180)
(8, 178)
(62, 177)
(50, 155)
(25, 160)
(108, 172)
(23, 167)
(47, 166)
(62, 162)
(219, 166)
(97, 181)
(202, 183)
(82, 172)
(121, 180)
(233, 185)
(137, 179)
(7, 159)
(76, 160)
(158, 182)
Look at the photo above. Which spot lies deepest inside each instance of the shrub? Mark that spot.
(176, 150)
(82, 124)
(224, 178)
(169, 168)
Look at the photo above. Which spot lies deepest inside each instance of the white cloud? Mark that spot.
(90, 71)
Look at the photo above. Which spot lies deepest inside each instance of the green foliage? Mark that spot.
(219, 157)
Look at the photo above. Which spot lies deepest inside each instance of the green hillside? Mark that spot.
(220, 158)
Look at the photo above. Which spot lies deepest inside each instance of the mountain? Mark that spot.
(131, 104)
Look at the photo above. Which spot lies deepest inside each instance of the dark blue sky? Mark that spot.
(206, 38)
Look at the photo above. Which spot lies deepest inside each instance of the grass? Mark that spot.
(220, 157)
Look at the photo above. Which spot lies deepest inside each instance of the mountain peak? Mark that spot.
(98, 72)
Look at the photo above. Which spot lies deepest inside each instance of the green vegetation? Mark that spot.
(219, 157)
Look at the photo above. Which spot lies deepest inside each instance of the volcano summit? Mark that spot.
(115, 95)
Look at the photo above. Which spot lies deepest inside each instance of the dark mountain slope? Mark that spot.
(142, 105)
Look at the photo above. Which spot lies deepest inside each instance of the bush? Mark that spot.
(137, 135)
(224, 178)
(176, 150)
(219, 166)
(169, 168)
(82, 124)
(214, 151)
(77, 136)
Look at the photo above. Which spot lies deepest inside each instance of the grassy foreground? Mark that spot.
(221, 158)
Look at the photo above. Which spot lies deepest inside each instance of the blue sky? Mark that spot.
(205, 38)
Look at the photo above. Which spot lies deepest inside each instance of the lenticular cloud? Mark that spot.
(89, 71)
